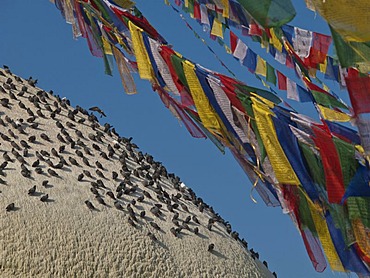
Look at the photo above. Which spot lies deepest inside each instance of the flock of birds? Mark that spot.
(140, 179)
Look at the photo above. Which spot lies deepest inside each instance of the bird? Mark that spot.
(80, 177)
(146, 194)
(114, 175)
(99, 165)
(174, 231)
(154, 225)
(211, 247)
(87, 174)
(187, 220)
(99, 173)
(53, 173)
(86, 161)
(100, 200)
(38, 170)
(36, 163)
(32, 190)
(73, 161)
(45, 137)
(131, 222)
(7, 157)
(90, 205)
(195, 219)
(111, 194)
(44, 198)
(184, 207)
(3, 165)
(45, 183)
(151, 236)
(32, 139)
(97, 109)
(118, 205)
(10, 207)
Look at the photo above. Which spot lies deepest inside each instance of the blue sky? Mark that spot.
(35, 41)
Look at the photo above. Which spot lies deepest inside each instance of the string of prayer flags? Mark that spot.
(316, 172)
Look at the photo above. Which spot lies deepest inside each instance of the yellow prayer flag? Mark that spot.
(279, 162)
(261, 66)
(143, 63)
(325, 239)
(323, 66)
(349, 18)
(126, 4)
(106, 46)
(227, 49)
(362, 235)
(326, 88)
(332, 115)
(274, 40)
(269, 103)
(225, 10)
(206, 112)
(217, 28)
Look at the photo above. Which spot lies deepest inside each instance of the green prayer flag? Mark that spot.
(269, 13)
(314, 165)
(177, 64)
(350, 53)
(348, 162)
(327, 100)
(270, 74)
(359, 208)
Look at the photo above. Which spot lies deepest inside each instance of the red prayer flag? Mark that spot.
(289, 62)
(254, 29)
(330, 161)
(281, 81)
(233, 41)
(359, 91)
(197, 10)
(229, 89)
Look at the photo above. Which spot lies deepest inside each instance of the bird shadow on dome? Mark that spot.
(218, 254)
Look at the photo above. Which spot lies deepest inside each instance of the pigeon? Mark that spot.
(97, 109)
(10, 207)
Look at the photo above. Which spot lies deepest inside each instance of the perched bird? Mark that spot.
(99, 165)
(90, 205)
(45, 183)
(100, 174)
(211, 247)
(3, 165)
(44, 198)
(10, 207)
(195, 219)
(36, 163)
(73, 161)
(154, 225)
(100, 200)
(111, 194)
(174, 231)
(151, 236)
(80, 177)
(118, 205)
(53, 173)
(32, 190)
(131, 222)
